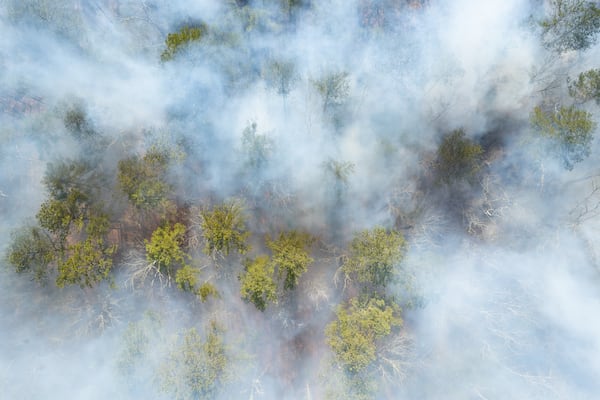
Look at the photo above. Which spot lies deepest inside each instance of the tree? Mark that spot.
(333, 88)
(569, 130)
(177, 41)
(586, 87)
(89, 261)
(571, 25)
(143, 179)
(290, 256)
(257, 148)
(353, 336)
(281, 76)
(164, 249)
(458, 158)
(196, 369)
(373, 256)
(258, 286)
(31, 251)
(224, 229)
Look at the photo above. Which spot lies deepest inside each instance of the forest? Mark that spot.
(299, 199)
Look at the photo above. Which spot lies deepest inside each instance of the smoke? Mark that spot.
(499, 286)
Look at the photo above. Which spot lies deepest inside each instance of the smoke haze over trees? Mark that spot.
(299, 199)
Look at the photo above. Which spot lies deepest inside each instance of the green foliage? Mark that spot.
(257, 148)
(290, 256)
(186, 278)
(373, 256)
(586, 87)
(334, 88)
(339, 170)
(136, 348)
(571, 25)
(165, 250)
(68, 177)
(58, 217)
(31, 250)
(258, 286)
(457, 158)
(224, 229)
(281, 76)
(77, 122)
(570, 131)
(88, 263)
(143, 179)
(175, 42)
(353, 335)
(196, 369)
(205, 290)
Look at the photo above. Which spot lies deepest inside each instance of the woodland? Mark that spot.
(375, 219)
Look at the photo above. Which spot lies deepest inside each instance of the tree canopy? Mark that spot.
(353, 336)
(176, 41)
(224, 229)
(570, 131)
(257, 284)
(458, 158)
(586, 87)
(143, 179)
(165, 248)
(373, 256)
(196, 368)
(571, 25)
(290, 256)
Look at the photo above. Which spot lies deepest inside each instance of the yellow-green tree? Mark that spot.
(373, 256)
(354, 335)
(224, 229)
(290, 256)
(257, 284)
(165, 248)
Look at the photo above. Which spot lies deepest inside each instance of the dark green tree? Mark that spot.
(143, 179)
(586, 87)
(458, 158)
(31, 251)
(571, 25)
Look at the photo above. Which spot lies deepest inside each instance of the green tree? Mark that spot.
(360, 324)
(281, 76)
(458, 158)
(224, 229)
(88, 263)
(196, 369)
(164, 249)
(257, 283)
(373, 256)
(571, 25)
(177, 41)
(143, 179)
(586, 87)
(290, 256)
(334, 88)
(569, 130)
(256, 147)
(31, 251)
